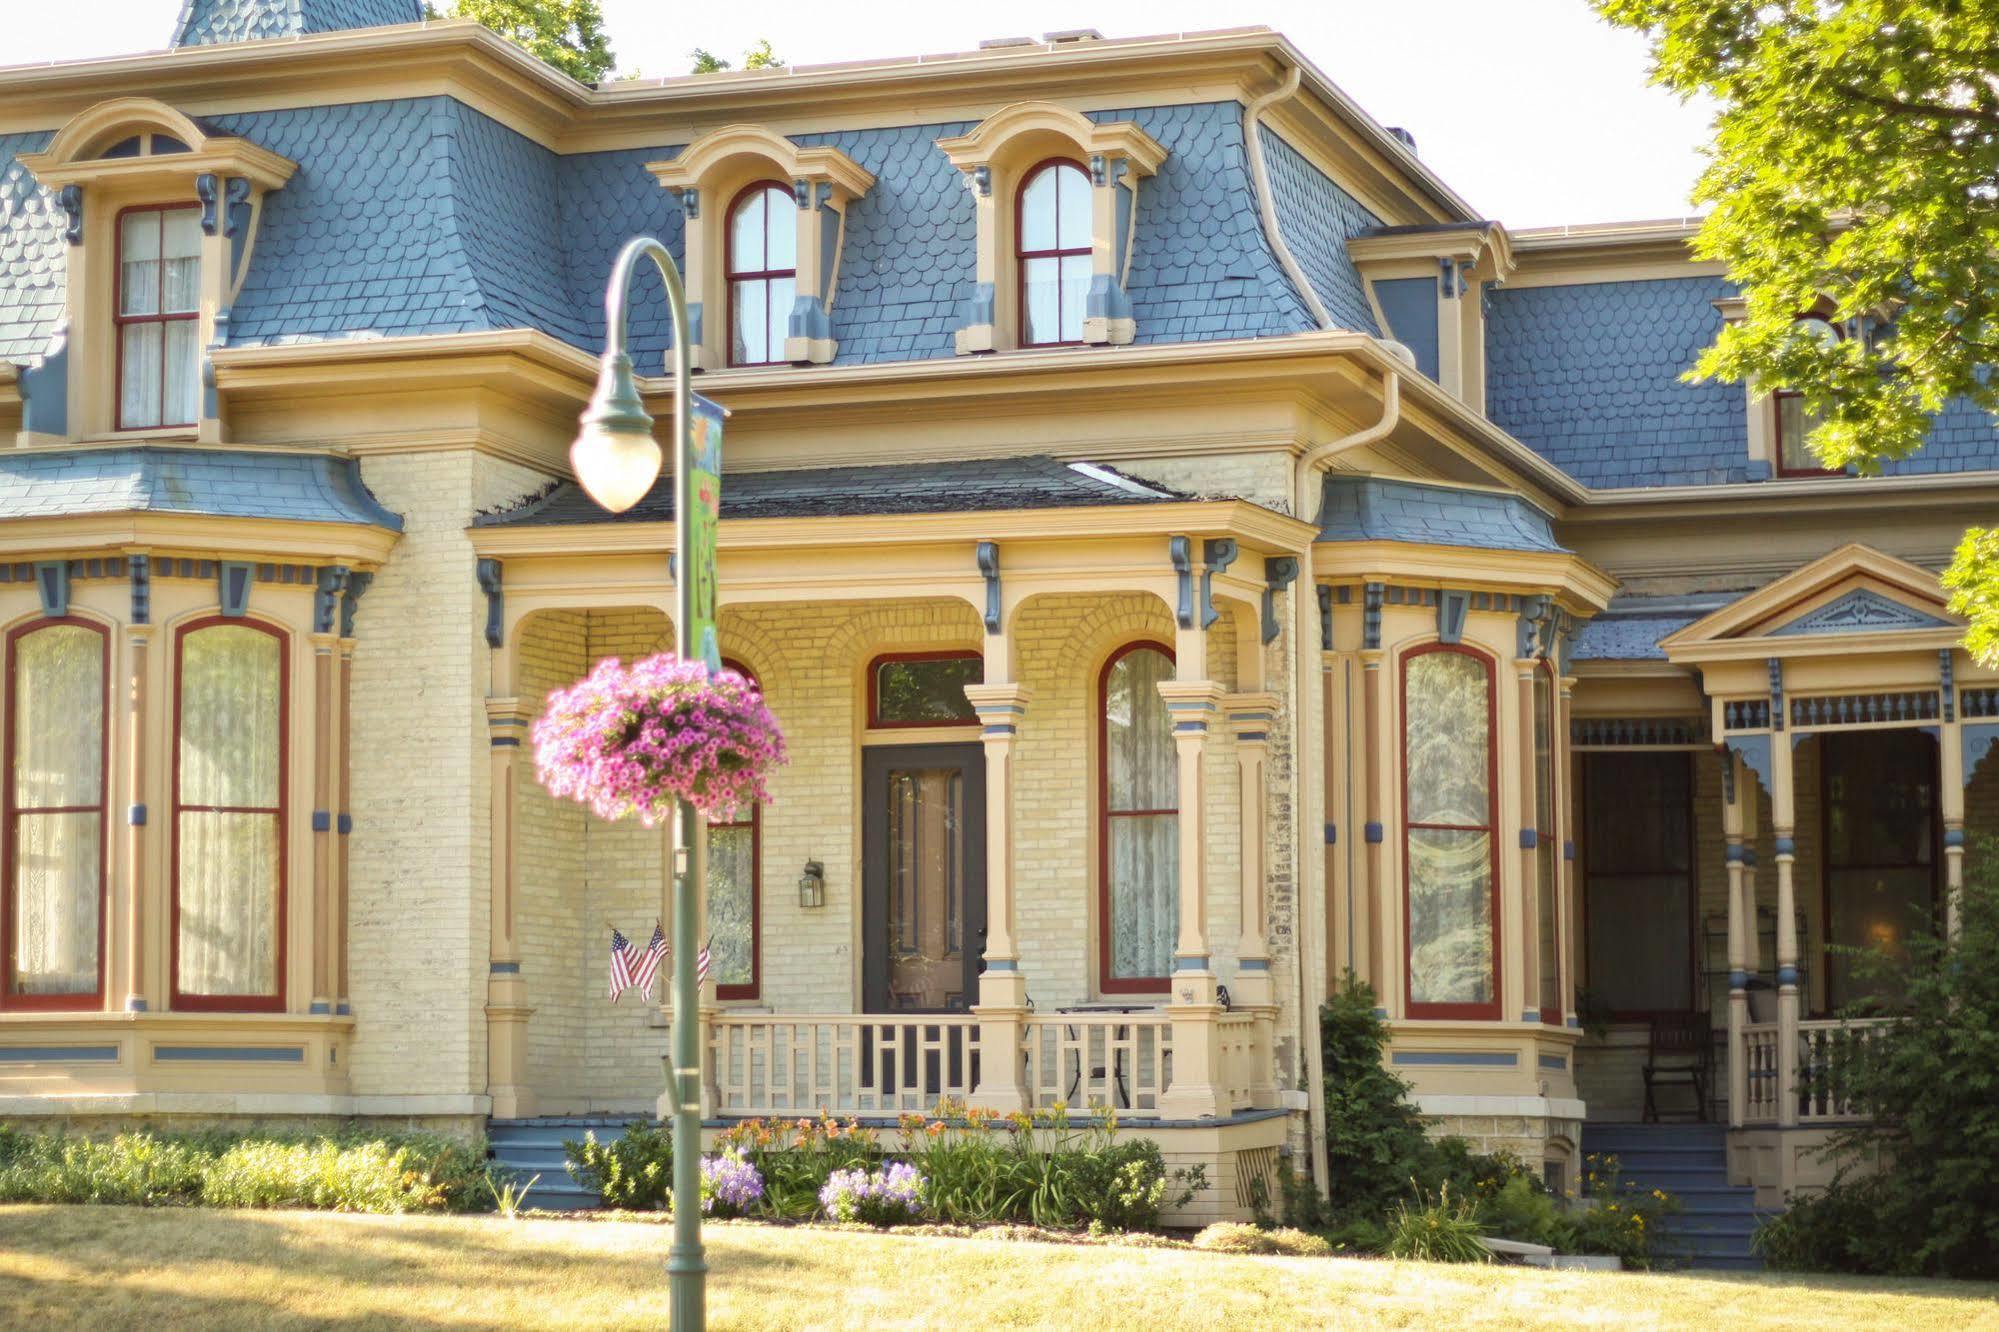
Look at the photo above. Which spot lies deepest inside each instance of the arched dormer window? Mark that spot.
(763, 272)
(745, 179)
(1013, 151)
(1052, 240)
(1793, 421)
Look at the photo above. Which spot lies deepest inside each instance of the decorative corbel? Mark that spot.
(1279, 572)
(1181, 550)
(327, 596)
(1947, 682)
(70, 199)
(233, 583)
(1532, 610)
(1452, 610)
(1325, 617)
(52, 583)
(139, 569)
(209, 191)
(989, 569)
(1776, 693)
(1754, 751)
(1372, 595)
(350, 600)
(489, 573)
(1217, 554)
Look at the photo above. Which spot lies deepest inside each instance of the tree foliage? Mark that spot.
(759, 56)
(568, 34)
(1853, 174)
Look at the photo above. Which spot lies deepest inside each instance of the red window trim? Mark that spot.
(1107, 983)
(120, 320)
(755, 824)
(875, 722)
(1551, 899)
(55, 1002)
(1490, 828)
(730, 277)
(233, 1003)
(1021, 255)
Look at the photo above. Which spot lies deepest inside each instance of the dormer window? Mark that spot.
(1054, 254)
(159, 317)
(1794, 423)
(763, 273)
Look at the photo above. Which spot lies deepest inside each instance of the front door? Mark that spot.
(923, 877)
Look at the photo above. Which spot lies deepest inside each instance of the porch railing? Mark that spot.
(1817, 1077)
(1123, 1061)
(785, 1064)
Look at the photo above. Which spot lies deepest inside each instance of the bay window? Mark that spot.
(1138, 831)
(159, 317)
(228, 816)
(1450, 879)
(53, 924)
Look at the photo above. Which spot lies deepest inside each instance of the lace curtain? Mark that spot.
(58, 806)
(1142, 779)
(732, 903)
(159, 277)
(1448, 755)
(228, 811)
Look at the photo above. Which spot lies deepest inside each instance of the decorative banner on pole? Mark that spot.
(704, 512)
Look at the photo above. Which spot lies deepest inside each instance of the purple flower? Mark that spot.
(730, 1186)
(884, 1197)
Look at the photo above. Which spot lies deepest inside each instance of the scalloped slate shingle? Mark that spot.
(1372, 508)
(211, 22)
(33, 265)
(305, 487)
(1588, 376)
(1318, 218)
(606, 199)
(1963, 438)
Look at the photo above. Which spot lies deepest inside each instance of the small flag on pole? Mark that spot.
(621, 964)
(647, 967)
(701, 960)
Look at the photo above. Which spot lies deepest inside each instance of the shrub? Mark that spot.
(1442, 1231)
(1236, 1237)
(887, 1197)
(1926, 1084)
(730, 1186)
(1375, 1137)
(634, 1173)
(1520, 1209)
(1617, 1218)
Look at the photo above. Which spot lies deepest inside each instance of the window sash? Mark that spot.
(1450, 880)
(157, 316)
(1139, 821)
(762, 273)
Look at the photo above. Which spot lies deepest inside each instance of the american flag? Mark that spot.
(701, 961)
(621, 964)
(647, 966)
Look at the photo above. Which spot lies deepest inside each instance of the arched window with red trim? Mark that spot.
(1450, 874)
(762, 272)
(53, 924)
(735, 898)
(1052, 248)
(1138, 832)
(229, 786)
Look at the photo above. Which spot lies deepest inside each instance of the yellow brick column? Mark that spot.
(1002, 1005)
(137, 636)
(1783, 820)
(507, 1008)
(1249, 718)
(1192, 1004)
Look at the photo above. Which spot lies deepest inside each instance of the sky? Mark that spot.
(1535, 111)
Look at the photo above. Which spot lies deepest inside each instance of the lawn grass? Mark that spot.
(114, 1267)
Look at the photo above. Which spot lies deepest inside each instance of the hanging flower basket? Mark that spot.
(635, 739)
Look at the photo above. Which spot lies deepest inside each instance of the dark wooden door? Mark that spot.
(923, 877)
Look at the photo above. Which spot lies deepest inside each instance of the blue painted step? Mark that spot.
(521, 1149)
(1716, 1219)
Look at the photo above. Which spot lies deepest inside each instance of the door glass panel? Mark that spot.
(925, 946)
(1881, 838)
(1638, 892)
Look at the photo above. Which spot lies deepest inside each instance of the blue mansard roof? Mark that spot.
(237, 483)
(1373, 508)
(211, 22)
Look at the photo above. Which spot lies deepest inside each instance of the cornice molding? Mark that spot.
(822, 165)
(1121, 140)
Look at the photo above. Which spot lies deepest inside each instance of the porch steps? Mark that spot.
(1690, 1161)
(524, 1148)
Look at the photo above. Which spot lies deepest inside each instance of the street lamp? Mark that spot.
(616, 461)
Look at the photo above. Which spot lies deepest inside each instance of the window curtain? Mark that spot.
(1448, 730)
(732, 865)
(228, 812)
(1142, 780)
(58, 805)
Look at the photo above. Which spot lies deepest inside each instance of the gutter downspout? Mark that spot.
(1266, 203)
(1309, 770)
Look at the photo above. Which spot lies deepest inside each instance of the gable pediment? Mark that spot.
(1862, 610)
(1855, 598)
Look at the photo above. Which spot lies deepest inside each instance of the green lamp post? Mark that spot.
(616, 460)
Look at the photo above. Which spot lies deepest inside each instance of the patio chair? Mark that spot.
(1680, 1050)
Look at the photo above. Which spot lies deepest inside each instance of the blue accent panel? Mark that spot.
(1787, 975)
(136, 816)
(1754, 751)
(319, 1006)
(1462, 1058)
(1576, 1023)
(1786, 847)
(1318, 218)
(229, 1054)
(135, 1005)
(52, 584)
(58, 1054)
(1953, 837)
(322, 821)
(504, 968)
(139, 569)
(1749, 857)
(207, 22)
(1366, 508)
(308, 487)
(1180, 550)
(1859, 611)
(1555, 1062)
(1190, 726)
(1002, 964)
(341, 1009)
(1529, 839)
(1332, 834)
(1738, 980)
(1531, 1015)
(1568, 850)
(34, 255)
(490, 574)
(1253, 964)
(987, 554)
(1252, 735)
(1381, 1012)
(1372, 832)
(233, 583)
(1452, 608)
(506, 742)
(1198, 963)
(1731, 855)
(344, 824)
(999, 728)
(1588, 376)
(1411, 307)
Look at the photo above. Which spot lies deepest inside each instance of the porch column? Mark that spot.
(1249, 718)
(1741, 921)
(136, 639)
(343, 826)
(1783, 820)
(1565, 863)
(1950, 790)
(507, 1008)
(1192, 1003)
(1529, 947)
(325, 648)
(1002, 1004)
(1385, 916)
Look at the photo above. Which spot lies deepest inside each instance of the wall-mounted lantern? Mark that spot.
(812, 885)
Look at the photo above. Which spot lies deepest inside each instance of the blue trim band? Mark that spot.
(322, 821)
(229, 1054)
(1568, 850)
(1447, 1058)
(1251, 735)
(319, 1006)
(1373, 832)
(1253, 964)
(1738, 980)
(136, 816)
(1557, 1062)
(1732, 855)
(58, 1054)
(1529, 839)
(1576, 1023)
(1786, 846)
(1000, 728)
(503, 968)
(342, 1010)
(135, 1005)
(1197, 962)
(1189, 726)
(1381, 1012)
(506, 742)
(1749, 856)
(344, 824)
(1332, 834)
(1002, 964)
(1531, 1015)
(1953, 837)
(1787, 975)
